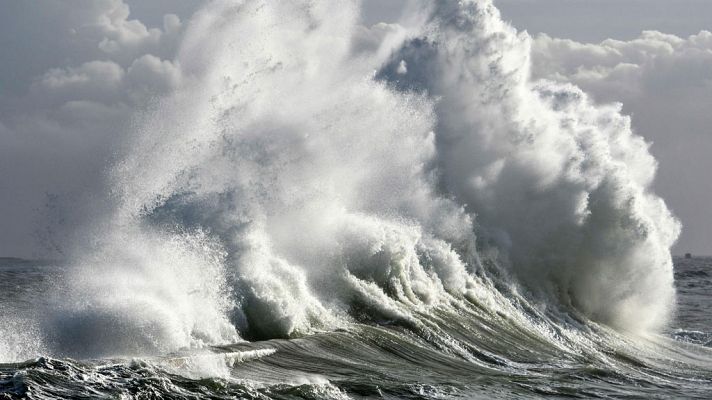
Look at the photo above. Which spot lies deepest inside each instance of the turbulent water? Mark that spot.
(474, 351)
(324, 210)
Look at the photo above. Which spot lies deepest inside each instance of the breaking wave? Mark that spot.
(306, 177)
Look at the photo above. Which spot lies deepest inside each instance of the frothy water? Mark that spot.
(419, 198)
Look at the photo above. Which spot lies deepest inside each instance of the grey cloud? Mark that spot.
(93, 80)
(64, 110)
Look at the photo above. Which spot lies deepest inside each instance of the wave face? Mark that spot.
(300, 181)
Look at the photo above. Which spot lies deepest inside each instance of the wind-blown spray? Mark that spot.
(292, 184)
(560, 184)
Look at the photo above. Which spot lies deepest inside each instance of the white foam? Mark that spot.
(281, 186)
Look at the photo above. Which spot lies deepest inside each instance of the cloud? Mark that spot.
(91, 80)
(665, 83)
(107, 25)
(151, 75)
(652, 53)
(68, 95)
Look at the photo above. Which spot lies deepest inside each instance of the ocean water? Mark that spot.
(474, 355)
(319, 209)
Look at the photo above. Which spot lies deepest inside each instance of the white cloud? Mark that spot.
(126, 38)
(149, 74)
(652, 50)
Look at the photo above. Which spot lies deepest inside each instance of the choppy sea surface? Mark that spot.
(466, 354)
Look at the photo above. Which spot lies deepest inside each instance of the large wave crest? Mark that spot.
(302, 178)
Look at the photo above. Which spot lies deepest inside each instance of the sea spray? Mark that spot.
(557, 182)
(292, 184)
(144, 293)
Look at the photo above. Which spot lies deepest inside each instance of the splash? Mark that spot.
(293, 184)
(558, 182)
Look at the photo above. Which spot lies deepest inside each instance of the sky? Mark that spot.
(78, 69)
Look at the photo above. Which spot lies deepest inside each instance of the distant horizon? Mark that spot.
(682, 255)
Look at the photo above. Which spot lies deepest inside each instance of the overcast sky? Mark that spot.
(72, 71)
